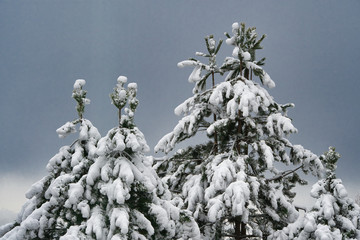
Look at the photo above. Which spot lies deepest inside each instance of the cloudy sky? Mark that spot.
(312, 50)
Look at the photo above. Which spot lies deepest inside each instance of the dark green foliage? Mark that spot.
(140, 199)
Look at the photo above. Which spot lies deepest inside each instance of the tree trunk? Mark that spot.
(243, 230)
(119, 113)
(238, 229)
(246, 73)
(215, 132)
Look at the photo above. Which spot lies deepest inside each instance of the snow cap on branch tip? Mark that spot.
(186, 63)
(212, 43)
(66, 129)
(132, 86)
(195, 75)
(122, 79)
(246, 56)
(235, 52)
(79, 83)
(235, 26)
(122, 94)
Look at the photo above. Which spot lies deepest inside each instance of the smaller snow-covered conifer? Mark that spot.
(129, 201)
(334, 214)
(55, 203)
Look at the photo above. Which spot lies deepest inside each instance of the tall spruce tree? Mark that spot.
(244, 189)
(49, 212)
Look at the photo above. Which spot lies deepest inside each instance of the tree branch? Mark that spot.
(283, 174)
(74, 143)
(241, 236)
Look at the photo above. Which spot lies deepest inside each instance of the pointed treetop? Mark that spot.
(245, 39)
(329, 159)
(121, 96)
(122, 79)
(245, 44)
(80, 97)
(210, 68)
(211, 45)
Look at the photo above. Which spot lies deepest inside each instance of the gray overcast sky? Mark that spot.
(312, 50)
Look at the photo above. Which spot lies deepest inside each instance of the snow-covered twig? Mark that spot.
(283, 174)
(179, 159)
(74, 143)
(241, 236)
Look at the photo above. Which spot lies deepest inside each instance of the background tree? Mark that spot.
(128, 200)
(102, 188)
(49, 211)
(240, 191)
(357, 199)
(333, 216)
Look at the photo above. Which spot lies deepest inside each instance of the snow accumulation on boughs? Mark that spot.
(239, 183)
(236, 184)
(102, 188)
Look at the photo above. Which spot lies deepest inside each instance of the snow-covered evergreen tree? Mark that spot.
(102, 188)
(333, 216)
(243, 188)
(49, 212)
(129, 199)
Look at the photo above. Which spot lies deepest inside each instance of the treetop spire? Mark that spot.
(210, 68)
(80, 96)
(243, 63)
(121, 96)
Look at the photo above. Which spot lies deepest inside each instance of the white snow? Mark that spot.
(79, 83)
(132, 86)
(235, 26)
(195, 75)
(216, 209)
(211, 43)
(95, 224)
(119, 218)
(268, 154)
(66, 129)
(76, 190)
(143, 222)
(84, 207)
(122, 79)
(235, 52)
(268, 81)
(247, 57)
(186, 63)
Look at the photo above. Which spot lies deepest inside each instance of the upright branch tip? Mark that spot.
(121, 96)
(80, 97)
